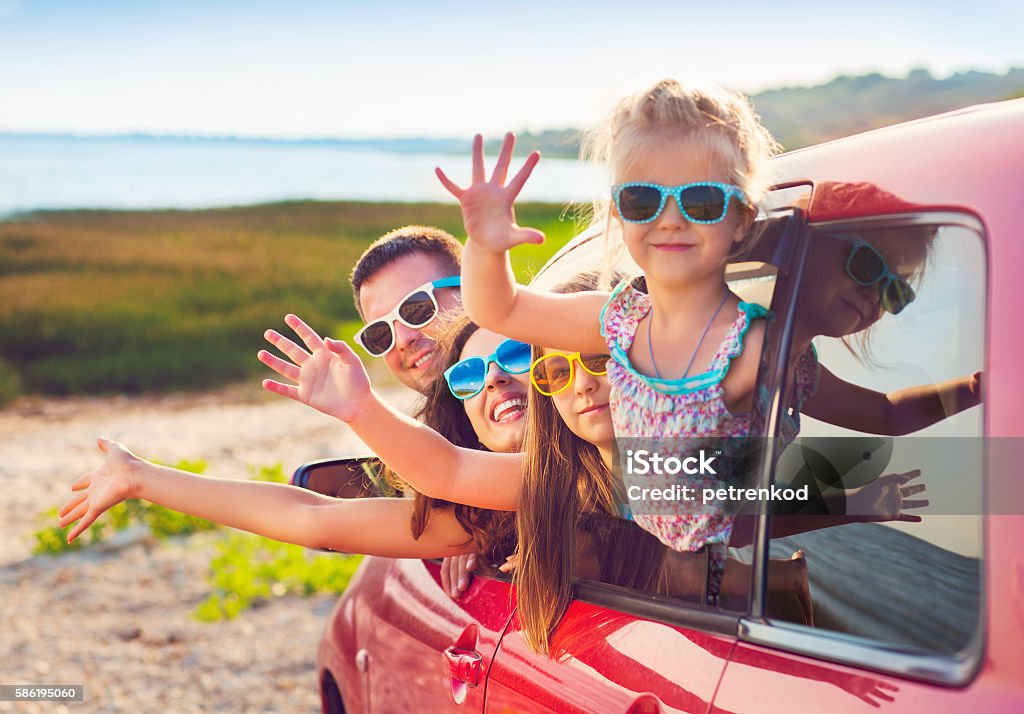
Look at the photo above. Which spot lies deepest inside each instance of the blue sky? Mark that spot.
(307, 68)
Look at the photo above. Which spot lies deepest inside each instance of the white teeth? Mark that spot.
(508, 408)
(421, 360)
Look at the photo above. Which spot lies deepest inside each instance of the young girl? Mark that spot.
(688, 167)
(567, 516)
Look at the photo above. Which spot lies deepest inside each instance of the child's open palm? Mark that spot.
(100, 489)
(329, 377)
(488, 206)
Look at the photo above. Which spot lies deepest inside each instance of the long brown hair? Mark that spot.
(492, 532)
(567, 490)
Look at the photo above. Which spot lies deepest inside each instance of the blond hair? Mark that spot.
(717, 121)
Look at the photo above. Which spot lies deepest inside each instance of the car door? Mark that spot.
(424, 651)
(620, 656)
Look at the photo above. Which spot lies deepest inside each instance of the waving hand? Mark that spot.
(327, 375)
(887, 498)
(488, 205)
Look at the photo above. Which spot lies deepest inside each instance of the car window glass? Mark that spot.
(913, 297)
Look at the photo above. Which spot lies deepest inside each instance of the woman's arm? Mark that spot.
(373, 526)
(489, 290)
(897, 413)
(331, 378)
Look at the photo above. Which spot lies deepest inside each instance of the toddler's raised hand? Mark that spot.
(330, 377)
(100, 489)
(488, 206)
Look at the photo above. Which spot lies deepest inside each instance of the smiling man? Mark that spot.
(401, 283)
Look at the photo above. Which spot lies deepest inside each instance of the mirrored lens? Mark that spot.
(703, 203)
(466, 378)
(514, 357)
(896, 295)
(639, 203)
(552, 374)
(865, 265)
(377, 337)
(596, 364)
(418, 309)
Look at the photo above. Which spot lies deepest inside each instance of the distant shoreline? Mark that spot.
(57, 212)
(845, 105)
(50, 172)
(560, 143)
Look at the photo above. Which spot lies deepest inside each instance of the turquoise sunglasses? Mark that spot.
(466, 377)
(866, 266)
(701, 202)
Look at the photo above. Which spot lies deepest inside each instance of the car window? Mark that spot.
(894, 304)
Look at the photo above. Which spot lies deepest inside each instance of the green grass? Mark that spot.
(139, 301)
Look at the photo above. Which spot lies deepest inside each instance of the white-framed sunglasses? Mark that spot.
(415, 310)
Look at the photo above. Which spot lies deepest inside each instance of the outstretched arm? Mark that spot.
(330, 378)
(897, 413)
(373, 526)
(489, 290)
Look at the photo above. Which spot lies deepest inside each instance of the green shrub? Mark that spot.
(248, 569)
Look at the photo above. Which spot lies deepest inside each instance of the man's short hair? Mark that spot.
(403, 241)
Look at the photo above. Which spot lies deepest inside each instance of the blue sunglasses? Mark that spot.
(466, 377)
(701, 202)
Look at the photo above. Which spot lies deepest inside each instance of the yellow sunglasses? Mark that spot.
(552, 373)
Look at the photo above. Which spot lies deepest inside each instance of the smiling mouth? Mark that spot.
(509, 410)
(677, 247)
(422, 360)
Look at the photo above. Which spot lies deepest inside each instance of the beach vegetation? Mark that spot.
(96, 301)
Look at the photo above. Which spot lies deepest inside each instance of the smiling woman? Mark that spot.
(467, 423)
(498, 403)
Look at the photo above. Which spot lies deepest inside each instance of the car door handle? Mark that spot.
(465, 665)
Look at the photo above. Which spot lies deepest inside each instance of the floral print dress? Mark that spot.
(647, 408)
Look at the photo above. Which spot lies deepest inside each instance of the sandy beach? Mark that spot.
(117, 619)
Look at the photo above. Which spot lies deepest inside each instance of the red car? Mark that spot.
(908, 616)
